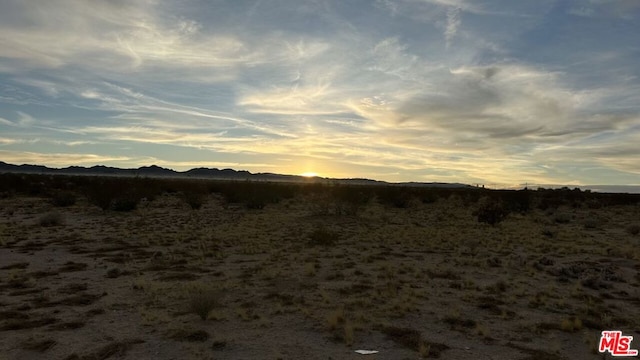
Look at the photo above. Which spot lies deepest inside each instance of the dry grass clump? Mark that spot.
(124, 204)
(591, 224)
(19, 265)
(202, 300)
(21, 324)
(63, 199)
(490, 211)
(323, 237)
(51, 219)
(562, 218)
(188, 335)
(336, 318)
(633, 229)
(337, 321)
(571, 324)
(37, 345)
(115, 349)
(349, 330)
(193, 199)
(71, 266)
(412, 339)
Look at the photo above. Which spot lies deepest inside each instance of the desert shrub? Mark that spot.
(517, 201)
(548, 232)
(395, 196)
(321, 204)
(51, 219)
(118, 194)
(562, 218)
(549, 200)
(591, 223)
(633, 229)
(409, 338)
(571, 324)
(188, 335)
(593, 204)
(255, 202)
(101, 192)
(490, 211)
(63, 199)
(10, 183)
(350, 199)
(337, 200)
(202, 300)
(620, 199)
(413, 339)
(113, 273)
(38, 345)
(323, 237)
(193, 199)
(124, 204)
(254, 195)
(429, 197)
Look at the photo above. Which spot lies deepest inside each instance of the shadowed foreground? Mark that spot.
(315, 274)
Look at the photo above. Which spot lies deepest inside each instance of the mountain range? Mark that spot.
(200, 173)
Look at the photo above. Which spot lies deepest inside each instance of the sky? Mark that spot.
(495, 92)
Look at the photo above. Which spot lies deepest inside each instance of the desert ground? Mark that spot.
(310, 276)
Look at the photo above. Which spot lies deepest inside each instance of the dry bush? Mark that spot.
(336, 318)
(125, 204)
(412, 339)
(323, 237)
(562, 218)
(633, 229)
(51, 219)
(63, 199)
(37, 345)
(202, 300)
(193, 199)
(591, 223)
(490, 211)
(188, 335)
(571, 324)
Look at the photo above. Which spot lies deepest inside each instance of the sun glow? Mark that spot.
(309, 174)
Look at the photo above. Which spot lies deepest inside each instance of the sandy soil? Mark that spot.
(293, 281)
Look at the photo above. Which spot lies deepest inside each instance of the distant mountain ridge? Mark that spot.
(198, 173)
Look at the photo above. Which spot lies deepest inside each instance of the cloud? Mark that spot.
(310, 100)
(23, 120)
(118, 37)
(6, 122)
(60, 159)
(455, 4)
(583, 11)
(623, 9)
(6, 141)
(453, 23)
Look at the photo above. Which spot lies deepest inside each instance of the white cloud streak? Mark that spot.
(453, 23)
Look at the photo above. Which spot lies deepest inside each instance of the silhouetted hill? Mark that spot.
(204, 173)
(226, 173)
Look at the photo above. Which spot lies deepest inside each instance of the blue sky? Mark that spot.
(487, 91)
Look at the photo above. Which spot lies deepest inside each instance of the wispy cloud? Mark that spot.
(60, 159)
(453, 23)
